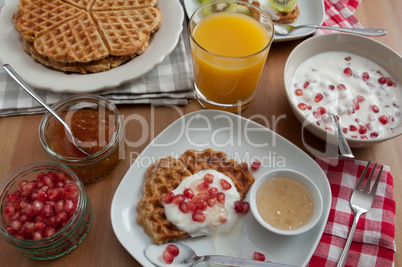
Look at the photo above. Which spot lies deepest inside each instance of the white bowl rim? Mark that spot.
(315, 193)
(352, 39)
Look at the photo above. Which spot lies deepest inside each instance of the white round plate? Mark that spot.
(38, 76)
(311, 12)
(242, 140)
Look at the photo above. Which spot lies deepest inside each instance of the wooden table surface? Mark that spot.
(20, 145)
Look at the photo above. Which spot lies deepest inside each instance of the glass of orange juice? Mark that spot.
(230, 41)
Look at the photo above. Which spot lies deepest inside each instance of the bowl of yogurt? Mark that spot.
(351, 76)
(286, 202)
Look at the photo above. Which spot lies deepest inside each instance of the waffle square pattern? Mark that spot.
(86, 35)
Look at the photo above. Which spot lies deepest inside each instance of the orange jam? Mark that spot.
(95, 129)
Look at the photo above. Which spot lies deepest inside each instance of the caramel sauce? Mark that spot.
(284, 203)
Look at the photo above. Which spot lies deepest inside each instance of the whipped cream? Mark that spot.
(363, 94)
(213, 223)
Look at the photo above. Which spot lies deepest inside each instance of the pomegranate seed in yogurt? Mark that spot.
(363, 94)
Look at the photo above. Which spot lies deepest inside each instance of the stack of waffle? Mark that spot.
(86, 35)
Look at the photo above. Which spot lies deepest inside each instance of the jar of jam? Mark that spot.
(96, 122)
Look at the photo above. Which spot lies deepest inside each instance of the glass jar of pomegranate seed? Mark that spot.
(96, 122)
(45, 211)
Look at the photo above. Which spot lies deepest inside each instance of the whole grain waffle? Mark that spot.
(167, 173)
(86, 35)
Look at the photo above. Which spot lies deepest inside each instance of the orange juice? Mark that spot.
(229, 58)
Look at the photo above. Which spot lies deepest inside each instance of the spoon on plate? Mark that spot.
(18, 79)
(187, 257)
(286, 29)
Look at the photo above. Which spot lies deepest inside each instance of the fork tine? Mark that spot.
(367, 187)
(374, 189)
(360, 182)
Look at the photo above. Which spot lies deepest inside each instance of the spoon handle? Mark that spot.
(18, 79)
(232, 261)
(367, 32)
(342, 143)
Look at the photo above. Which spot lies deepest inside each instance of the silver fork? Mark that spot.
(360, 202)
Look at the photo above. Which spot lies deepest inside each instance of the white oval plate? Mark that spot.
(242, 140)
(311, 12)
(35, 74)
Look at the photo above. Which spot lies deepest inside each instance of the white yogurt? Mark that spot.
(362, 94)
(213, 223)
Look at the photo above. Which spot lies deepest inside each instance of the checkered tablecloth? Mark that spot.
(169, 83)
(374, 240)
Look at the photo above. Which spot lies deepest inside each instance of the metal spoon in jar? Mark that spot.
(18, 79)
(285, 29)
(187, 257)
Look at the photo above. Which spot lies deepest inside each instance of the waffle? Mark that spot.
(167, 173)
(86, 35)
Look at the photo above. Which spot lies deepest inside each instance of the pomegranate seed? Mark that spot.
(49, 231)
(51, 222)
(255, 165)
(69, 206)
(225, 184)
(203, 186)
(348, 58)
(29, 227)
(203, 206)
(363, 137)
(37, 235)
(183, 207)
(348, 72)
(200, 198)
(302, 106)
(16, 225)
(21, 184)
(12, 197)
(316, 114)
(28, 210)
(213, 192)
(365, 76)
(383, 119)
(40, 226)
(299, 92)
(188, 193)
(59, 207)
(246, 207)
(173, 249)
(389, 81)
(345, 130)
(209, 178)
(60, 176)
(357, 105)
(382, 80)
(62, 217)
(198, 217)
(37, 206)
(40, 176)
(259, 256)
(238, 206)
(374, 134)
(362, 129)
(222, 220)
(306, 84)
(211, 202)
(47, 211)
(221, 197)
(178, 199)
(168, 198)
(70, 189)
(341, 86)
(360, 98)
(375, 108)
(192, 207)
(53, 194)
(318, 97)
(331, 86)
(9, 211)
(352, 128)
(167, 257)
(48, 182)
(321, 110)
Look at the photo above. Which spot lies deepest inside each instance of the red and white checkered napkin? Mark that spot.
(339, 13)
(373, 242)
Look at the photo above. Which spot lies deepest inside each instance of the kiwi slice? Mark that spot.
(283, 5)
(224, 7)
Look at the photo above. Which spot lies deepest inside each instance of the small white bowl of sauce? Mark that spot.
(286, 202)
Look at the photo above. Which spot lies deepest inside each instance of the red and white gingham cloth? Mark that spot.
(339, 13)
(374, 240)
